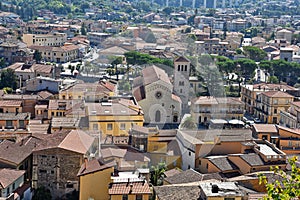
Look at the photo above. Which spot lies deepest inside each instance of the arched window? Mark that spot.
(157, 116)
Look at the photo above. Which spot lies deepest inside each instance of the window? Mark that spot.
(95, 127)
(109, 126)
(9, 123)
(125, 197)
(123, 126)
(8, 191)
(157, 116)
(14, 186)
(275, 111)
(139, 197)
(21, 124)
(178, 68)
(190, 153)
(155, 148)
(226, 198)
(185, 68)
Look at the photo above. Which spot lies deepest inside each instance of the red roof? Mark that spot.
(129, 188)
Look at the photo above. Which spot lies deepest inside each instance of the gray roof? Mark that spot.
(13, 116)
(191, 175)
(223, 163)
(168, 192)
(252, 159)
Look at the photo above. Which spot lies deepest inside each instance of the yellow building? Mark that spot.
(249, 93)
(161, 145)
(60, 54)
(115, 116)
(55, 39)
(137, 190)
(270, 104)
(94, 180)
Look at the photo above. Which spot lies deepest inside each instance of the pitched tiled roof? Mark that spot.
(94, 165)
(9, 176)
(265, 128)
(271, 86)
(223, 163)
(10, 103)
(18, 152)
(153, 73)
(129, 188)
(185, 177)
(252, 159)
(172, 172)
(181, 59)
(279, 94)
(173, 192)
(76, 140)
(13, 116)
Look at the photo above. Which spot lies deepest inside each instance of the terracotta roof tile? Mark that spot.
(265, 128)
(278, 94)
(10, 103)
(129, 188)
(94, 165)
(8, 176)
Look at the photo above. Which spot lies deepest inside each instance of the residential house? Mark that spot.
(91, 92)
(269, 104)
(286, 139)
(154, 93)
(213, 46)
(161, 145)
(115, 116)
(291, 117)
(55, 39)
(249, 93)
(254, 156)
(95, 176)
(97, 38)
(11, 182)
(59, 107)
(43, 83)
(205, 108)
(195, 145)
(10, 156)
(62, 54)
(284, 34)
(26, 72)
(7, 50)
(57, 160)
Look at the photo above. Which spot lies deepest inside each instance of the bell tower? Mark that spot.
(181, 84)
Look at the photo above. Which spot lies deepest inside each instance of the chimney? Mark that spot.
(131, 186)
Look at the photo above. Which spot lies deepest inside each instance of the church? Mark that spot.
(154, 92)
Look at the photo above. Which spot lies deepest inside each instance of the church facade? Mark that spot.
(154, 93)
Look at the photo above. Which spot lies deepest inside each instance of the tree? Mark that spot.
(288, 188)
(42, 194)
(273, 79)
(37, 56)
(156, 173)
(189, 123)
(254, 53)
(8, 79)
(2, 62)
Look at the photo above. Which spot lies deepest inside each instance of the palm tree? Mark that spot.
(157, 173)
(188, 123)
